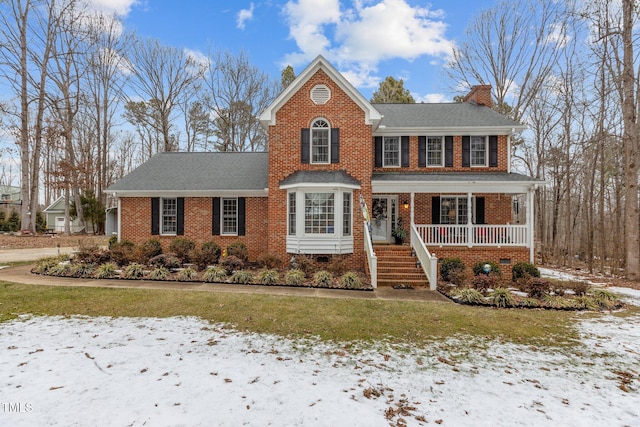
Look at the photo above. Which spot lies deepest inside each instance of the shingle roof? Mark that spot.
(457, 114)
(198, 172)
(320, 177)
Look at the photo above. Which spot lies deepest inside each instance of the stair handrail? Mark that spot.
(428, 262)
(372, 259)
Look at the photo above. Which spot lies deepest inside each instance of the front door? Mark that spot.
(383, 217)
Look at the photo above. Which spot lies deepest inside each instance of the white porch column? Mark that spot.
(530, 223)
(469, 221)
(412, 207)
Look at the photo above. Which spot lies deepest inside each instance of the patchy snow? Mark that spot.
(184, 371)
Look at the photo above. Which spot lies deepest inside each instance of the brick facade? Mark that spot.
(505, 256)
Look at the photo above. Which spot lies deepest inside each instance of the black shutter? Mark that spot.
(493, 151)
(466, 151)
(335, 145)
(215, 223)
(448, 151)
(378, 149)
(155, 216)
(422, 151)
(435, 210)
(404, 151)
(480, 210)
(180, 217)
(304, 145)
(241, 216)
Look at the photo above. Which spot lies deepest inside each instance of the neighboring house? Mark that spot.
(333, 156)
(54, 217)
(10, 196)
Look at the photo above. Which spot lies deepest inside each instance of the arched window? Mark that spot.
(320, 141)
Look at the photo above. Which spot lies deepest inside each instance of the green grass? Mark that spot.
(329, 319)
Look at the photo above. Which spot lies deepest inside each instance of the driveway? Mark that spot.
(20, 255)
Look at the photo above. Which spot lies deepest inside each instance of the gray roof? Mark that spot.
(454, 177)
(320, 177)
(442, 115)
(198, 172)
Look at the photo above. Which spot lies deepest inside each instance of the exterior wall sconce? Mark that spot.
(405, 204)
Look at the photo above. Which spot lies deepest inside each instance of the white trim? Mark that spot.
(454, 131)
(161, 216)
(442, 151)
(486, 152)
(320, 185)
(317, 129)
(319, 100)
(452, 186)
(399, 138)
(222, 199)
(119, 224)
(371, 115)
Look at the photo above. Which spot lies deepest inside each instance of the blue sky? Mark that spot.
(366, 40)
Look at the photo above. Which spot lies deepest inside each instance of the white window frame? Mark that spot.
(317, 128)
(347, 213)
(444, 217)
(225, 216)
(442, 153)
(291, 213)
(166, 231)
(320, 217)
(472, 151)
(385, 151)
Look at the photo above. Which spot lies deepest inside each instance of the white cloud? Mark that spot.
(245, 15)
(199, 62)
(358, 38)
(432, 98)
(119, 7)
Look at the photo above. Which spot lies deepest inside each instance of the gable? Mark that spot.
(268, 117)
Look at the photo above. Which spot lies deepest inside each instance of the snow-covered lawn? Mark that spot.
(184, 371)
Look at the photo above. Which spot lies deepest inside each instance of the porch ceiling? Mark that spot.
(453, 182)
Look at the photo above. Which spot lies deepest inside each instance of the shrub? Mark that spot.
(337, 266)
(187, 274)
(524, 270)
(113, 240)
(182, 247)
(530, 302)
(478, 268)
(579, 288)
(604, 298)
(149, 249)
(585, 302)
(122, 252)
(214, 274)
(460, 278)
(60, 269)
(448, 265)
(323, 278)
(159, 273)
(238, 249)
(501, 297)
(82, 270)
(554, 301)
(269, 261)
(558, 289)
(45, 264)
(232, 263)
(269, 277)
(209, 254)
(92, 254)
(242, 276)
(304, 263)
(294, 277)
(351, 280)
(483, 282)
(537, 287)
(165, 260)
(470, 296)
(134, 271)
(106, 271)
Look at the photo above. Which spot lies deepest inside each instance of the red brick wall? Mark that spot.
(497, 207)
(457, 158)
(198, 216)
(470, 256)
(356, 149)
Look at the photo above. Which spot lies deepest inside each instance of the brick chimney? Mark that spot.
(481, 95)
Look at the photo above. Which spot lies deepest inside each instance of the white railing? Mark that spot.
(476, 235)
(428, 262)
(372, 259)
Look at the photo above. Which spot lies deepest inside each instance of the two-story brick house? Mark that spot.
(334, 158)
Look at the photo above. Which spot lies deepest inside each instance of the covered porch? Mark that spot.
(475, 214)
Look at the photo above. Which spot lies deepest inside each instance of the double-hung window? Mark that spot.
(319, 213)
(454, 210)
(230, 216)
(478, 151)
(391, 151)
(169, 218)
(320, 142)
(292, 214)
(346, 214)
(435, 149)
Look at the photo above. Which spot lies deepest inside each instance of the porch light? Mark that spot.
(405, 204)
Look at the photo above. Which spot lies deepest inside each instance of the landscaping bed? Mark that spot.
(208, 263)
(485, 286)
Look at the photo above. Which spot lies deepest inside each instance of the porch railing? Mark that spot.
(372, 259)
(475, 235)
(428, 262)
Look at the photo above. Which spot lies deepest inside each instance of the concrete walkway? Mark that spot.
(22, 274)
(21, 255)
